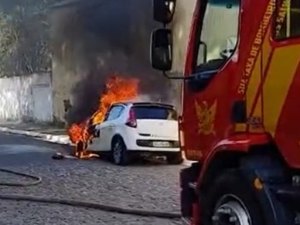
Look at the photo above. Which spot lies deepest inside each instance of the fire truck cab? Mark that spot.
(240, 109)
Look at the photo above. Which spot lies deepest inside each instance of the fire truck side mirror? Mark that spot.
(161, 49)
(163, 10)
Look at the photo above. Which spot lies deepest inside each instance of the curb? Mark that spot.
(58, 139)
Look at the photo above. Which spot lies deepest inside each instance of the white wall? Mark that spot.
(26, 97)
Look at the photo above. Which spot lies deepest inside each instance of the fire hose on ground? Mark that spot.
(74, 203)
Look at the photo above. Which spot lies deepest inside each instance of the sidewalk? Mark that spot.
(40, 131)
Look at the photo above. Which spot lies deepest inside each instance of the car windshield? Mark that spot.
(154, 112)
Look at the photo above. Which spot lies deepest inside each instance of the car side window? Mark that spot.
(120, 111)
(115, 113)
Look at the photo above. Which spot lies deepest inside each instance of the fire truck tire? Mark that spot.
(231, 201)
(175, 158)
(119, 152)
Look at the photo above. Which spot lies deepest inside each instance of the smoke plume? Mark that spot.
(96, 39)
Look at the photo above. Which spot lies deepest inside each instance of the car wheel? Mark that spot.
(175, 158)
(231, 201)
(119, 152)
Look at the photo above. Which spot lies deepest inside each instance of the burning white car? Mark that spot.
(132, 128)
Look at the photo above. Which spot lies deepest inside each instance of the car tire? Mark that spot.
(230, 198)
(119, 152)
(175, 158)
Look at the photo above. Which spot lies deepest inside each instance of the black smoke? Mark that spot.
(95, 39)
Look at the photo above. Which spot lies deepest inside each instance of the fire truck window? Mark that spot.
(219, 32)
(287, 19)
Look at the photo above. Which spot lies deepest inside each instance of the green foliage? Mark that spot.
(8, 36)
(24, 37)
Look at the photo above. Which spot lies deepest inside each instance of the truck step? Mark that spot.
(193, 185)
(289, 195)
(186, 221)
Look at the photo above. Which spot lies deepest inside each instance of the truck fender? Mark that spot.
(225, 154)
(269, 171)
(241, 142)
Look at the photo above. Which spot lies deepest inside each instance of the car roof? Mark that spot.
(144, 103)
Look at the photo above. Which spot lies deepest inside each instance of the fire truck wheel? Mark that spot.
(175, 158)
(231, 201)
(119, 152)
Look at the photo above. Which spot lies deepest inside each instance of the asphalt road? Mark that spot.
(140, 186)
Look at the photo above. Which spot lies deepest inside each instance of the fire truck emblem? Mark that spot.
(206, 117)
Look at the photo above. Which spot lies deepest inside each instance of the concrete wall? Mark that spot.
(63, 82)
(26, 98)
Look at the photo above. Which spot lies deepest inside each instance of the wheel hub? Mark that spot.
(231, 212)
(117, 152)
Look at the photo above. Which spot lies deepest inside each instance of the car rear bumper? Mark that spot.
(136, 142)
(153, 150)
(148, 145)
(152, 143)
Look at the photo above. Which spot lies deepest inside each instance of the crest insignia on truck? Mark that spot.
(206, 117)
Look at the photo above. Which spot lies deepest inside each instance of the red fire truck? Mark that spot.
(240, 117)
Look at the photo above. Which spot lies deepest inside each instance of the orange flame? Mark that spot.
(117, 89)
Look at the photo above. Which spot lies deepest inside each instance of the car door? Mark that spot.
(99, 141)
(107, 129)
(111, 126)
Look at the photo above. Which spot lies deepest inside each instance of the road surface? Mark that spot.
(150, 187)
